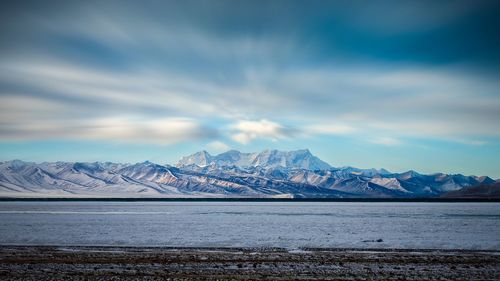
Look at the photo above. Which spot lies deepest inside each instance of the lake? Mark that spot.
(290, 225)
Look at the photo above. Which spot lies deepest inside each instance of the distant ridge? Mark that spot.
(232, 174)
(491, 190)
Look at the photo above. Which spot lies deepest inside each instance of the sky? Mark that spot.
(395, 84)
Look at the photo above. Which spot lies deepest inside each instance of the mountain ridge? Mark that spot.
(270, 173)
(301, 158)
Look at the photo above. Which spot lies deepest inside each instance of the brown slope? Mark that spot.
(478, 191)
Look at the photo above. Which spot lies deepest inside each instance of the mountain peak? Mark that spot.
(409, 174)
(202, 153)
(230, 152)
(200, 158)
(16, 164)
(269, 158)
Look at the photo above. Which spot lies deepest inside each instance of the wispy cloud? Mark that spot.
(330, 129)
(247, 130)
(435, 104)
(118, 129)
(218, 146)
(109, 59)
(387, 141)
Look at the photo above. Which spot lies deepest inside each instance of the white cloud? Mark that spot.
(470, 141)
(161, 131)
(435, 104)
(387, 141)
(446, 103)
(330, 129)
(247, 130)
(466, 131)
(218, 146)
(121, 129)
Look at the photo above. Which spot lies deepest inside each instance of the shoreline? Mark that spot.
(132, 248)
(250, 199)
(185, 263)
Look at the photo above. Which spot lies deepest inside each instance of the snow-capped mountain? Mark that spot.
(201, 159)
(270, 173)
(299, 159)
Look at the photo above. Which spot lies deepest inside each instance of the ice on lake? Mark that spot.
(290, 225)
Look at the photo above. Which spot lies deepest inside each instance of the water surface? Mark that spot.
(253, 224)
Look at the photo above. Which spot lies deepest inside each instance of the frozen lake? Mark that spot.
(253, 224)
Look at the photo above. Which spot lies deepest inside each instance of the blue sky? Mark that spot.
(394, 84)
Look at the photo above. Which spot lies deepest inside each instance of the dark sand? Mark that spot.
(117, 263)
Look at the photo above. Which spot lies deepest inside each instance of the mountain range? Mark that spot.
(270, 173)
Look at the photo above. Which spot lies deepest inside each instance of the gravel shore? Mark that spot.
(119, 263)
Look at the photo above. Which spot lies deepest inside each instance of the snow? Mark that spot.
(299, 159)
(391, 183)
(270, 173)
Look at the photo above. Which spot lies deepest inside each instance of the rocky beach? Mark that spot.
(156, 263)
